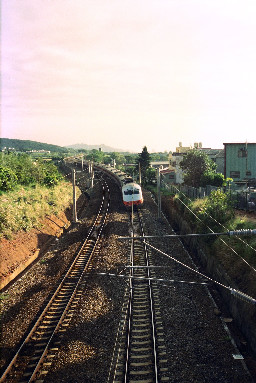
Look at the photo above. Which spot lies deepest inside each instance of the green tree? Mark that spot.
(195, 164)
(130, 170)
(119, 158)
(160, 156)
(52, 176)
(22, 169)
(130, 158)
(95, 155)
(107, 160)
(143, 163)
(212, 178)
(151, 176)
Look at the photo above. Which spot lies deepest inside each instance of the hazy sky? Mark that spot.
(129, 73)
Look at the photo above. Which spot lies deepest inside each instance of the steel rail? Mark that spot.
(140, 341)
(129, 314)
(79, 266)
(151, 303)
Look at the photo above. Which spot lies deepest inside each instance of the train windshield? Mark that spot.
(131, 191)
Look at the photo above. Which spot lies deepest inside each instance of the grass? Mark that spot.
(235, 249)
(4, 296)
(23, 208)
(243, 245)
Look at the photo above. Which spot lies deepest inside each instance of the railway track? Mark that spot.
(140, 352)
(36, 354)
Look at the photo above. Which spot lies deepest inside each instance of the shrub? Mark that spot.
(216, 210)
(8, 179)
(22, 208)
(213, 179)
(22, 169)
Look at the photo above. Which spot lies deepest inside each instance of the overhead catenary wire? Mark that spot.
(235, 292)
(229, 233)
(233, 250)
(152, 279)
(247, 244)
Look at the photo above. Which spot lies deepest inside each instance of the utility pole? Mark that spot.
(74, 195)
(139, 174)
(158, 193)
(92, 174)
(89, 167)
(92, 177)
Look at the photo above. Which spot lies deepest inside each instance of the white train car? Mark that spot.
(132, 194)
(131, 191)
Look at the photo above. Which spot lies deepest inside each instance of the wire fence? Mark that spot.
(243, 200)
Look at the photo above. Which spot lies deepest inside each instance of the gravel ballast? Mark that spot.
(199, 349)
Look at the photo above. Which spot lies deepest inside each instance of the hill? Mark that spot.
(26, 145)
(104, 148)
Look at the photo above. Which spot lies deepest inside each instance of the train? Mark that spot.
(132, 194)
(131, 191)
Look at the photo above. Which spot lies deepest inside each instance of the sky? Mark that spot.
(129, 73)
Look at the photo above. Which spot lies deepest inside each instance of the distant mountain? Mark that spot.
(104, 148)
(26, 145)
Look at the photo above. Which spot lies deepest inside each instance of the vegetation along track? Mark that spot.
(140, 353)
(36, 353)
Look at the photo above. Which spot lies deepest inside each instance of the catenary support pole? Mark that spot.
(139, 174)
(158, 193)
(74, 195)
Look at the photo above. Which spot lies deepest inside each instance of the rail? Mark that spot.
(141, 353)
(36, 353)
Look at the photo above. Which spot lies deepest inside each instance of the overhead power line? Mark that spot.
(237, 293)
(222, 240)
(229, 233)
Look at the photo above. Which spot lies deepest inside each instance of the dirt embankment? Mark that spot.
(17, 253)
(26, 246)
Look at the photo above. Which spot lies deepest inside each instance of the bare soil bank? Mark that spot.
(24, 247)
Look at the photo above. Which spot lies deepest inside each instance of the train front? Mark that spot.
(132, 194)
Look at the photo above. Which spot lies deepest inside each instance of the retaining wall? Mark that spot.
(243, 313)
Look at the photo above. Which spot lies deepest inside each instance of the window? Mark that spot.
(248, 173)
(234, 174)
(131, 191)
(242, 152)
(171, 176)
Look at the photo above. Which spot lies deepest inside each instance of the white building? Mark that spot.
(217, 155)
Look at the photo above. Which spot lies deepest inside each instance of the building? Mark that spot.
(168, 176)
(240, 162)
(216, 155)
(175, 159)
(159, 164)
